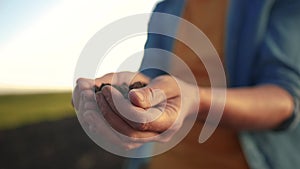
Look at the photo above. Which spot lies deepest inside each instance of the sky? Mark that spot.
(40, 41)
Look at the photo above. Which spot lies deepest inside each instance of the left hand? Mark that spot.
(93, 121)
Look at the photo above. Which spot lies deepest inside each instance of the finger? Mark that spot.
(96, 124)
(135, 116)
(104, 79)
(85, 84)
(129, 78)
(91, 120)
(90, 105)
(85, 96)
(98, 128)
(155, 119)
(168, 117)
(121, 126)
(114, 78)
(157, 91)
(166, 136)
(139, 77)
(82, 84)
(76, 97)
(88, 95)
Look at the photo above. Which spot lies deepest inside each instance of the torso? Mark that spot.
(222, 150)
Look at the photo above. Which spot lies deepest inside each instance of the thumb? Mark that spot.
(146, 97)
(156, 92)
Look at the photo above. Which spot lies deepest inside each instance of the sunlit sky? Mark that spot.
(40, 41)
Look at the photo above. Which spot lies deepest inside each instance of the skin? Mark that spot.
(252, 108)
(248, 108)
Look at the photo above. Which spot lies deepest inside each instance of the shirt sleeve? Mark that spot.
(158, 40)
(279, 55)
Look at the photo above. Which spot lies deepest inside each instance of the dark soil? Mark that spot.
(124, 88)
(53, 145)
(137, 85)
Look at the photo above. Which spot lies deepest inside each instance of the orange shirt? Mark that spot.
(222, 150)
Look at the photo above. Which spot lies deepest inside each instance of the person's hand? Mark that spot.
(92, 119)
(160, 107)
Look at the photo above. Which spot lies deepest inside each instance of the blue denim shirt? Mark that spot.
(262, 47)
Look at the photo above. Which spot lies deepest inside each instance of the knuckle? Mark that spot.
(84, 84)
(79, 80)
(81, 87)
(85, 94)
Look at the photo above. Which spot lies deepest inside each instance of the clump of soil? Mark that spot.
(124, 88)
(98, 89)
(137, 85)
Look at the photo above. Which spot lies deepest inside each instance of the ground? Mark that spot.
(42, 131)
(57, 144)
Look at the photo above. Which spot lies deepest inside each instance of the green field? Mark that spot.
(18, 110)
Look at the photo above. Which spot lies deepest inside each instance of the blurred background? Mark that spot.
(40, 42)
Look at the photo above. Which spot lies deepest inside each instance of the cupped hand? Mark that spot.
(106, 124)
(160, 107)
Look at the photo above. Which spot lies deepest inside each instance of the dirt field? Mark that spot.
(58, 144)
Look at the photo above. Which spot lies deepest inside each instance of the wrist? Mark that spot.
(205, 101)
(192, 97)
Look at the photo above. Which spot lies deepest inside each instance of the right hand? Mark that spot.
(93, 120)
